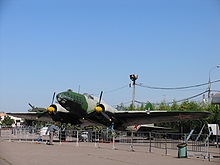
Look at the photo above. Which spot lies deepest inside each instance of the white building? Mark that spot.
(17, 121)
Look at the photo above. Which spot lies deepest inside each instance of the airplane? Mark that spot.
(85, 109)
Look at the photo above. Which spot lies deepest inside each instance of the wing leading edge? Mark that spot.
(31, 116)
(129, 118)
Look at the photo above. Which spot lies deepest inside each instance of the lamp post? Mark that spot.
(133, 78)
(209, 82)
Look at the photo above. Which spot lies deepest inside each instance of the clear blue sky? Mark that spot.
(53, 45)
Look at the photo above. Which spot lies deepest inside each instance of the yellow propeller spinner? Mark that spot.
(98, 109)
(51, 109)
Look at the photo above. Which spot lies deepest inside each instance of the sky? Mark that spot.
(54, 45)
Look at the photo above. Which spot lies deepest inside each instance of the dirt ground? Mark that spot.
(29, 153)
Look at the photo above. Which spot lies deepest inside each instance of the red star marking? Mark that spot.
(136, 126)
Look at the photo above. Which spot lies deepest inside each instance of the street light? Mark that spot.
(209, 87)
(133, 78)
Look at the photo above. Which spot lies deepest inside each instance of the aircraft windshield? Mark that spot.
(89, 96)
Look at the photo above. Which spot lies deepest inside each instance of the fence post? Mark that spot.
(77, 138)
(20, 134)
(113, 140)
(9, 137)
(165, 144)
(132, 146)
(208, 153)
(60, 135)
(95, 140)
(150, 141)
(96, 143)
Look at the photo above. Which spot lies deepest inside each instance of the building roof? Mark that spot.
(2, 114)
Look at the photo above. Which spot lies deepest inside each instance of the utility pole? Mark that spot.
(78, 89)
(209, 83)
(133, 78)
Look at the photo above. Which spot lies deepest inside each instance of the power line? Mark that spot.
(112, 90)
(194, 96)
(215, 90)
(188, 98)
(176, 88)
(116, 89)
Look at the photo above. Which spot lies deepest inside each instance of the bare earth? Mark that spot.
(27, 153)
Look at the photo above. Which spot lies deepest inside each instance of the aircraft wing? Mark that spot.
(129, 118)
(31, 116)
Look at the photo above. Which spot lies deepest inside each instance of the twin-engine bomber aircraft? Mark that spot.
(84, 109)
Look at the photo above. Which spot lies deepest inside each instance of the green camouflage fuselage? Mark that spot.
(83, 106)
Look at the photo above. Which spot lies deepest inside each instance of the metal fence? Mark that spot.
(202, 145)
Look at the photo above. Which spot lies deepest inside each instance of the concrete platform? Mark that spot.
(27, 153)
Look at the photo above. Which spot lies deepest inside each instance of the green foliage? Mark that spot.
(7, 121)
(174, 106)
(190, 106)
(215, 110)
(131, 108)
(148, 106)
(164, 107)
(141, 108)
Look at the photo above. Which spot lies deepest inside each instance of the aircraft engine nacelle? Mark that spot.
(56, 108)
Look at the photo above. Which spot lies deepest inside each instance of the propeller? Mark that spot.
(106, 116)
(100, 97)
(100, 108)
(31, 105)
(51, 109)
(53, 98)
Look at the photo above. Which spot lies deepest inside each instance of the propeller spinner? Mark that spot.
(51, 109)
(101, 109)
(99, 106)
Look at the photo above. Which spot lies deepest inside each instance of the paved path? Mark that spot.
(27, 153)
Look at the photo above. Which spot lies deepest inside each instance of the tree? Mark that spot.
(7, 122)
(215, 110)
(164, 106)
(174, 106)
(131, 107)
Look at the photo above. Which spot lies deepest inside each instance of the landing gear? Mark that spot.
(112, 126)
(113, 136)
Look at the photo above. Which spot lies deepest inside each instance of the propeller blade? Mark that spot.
(100, 98)
(106, 116)
(31, 105)
(53, 97)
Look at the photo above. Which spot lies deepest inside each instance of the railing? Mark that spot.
(124, 140)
